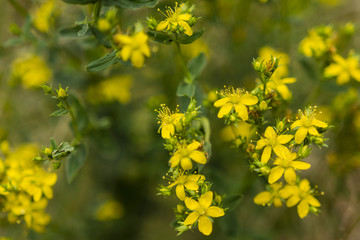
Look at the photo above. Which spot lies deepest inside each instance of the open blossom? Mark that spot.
(169, 121)
(302, 196)
(272, 141)
(286, 165)
(134, 47)
(175, 19)
(307, 125)
(317, 42)
(185, 154)
(186, 181)
(343, 69)
(237, 100)
(201, 211)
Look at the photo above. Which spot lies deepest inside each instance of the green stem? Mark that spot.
(188, 77)
(96, 11)
(18, 8)
(73, 119)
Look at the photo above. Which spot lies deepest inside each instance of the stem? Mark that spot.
(347, 232)
(73, 119)
(188, 78)
(18, 8)
(96, 11)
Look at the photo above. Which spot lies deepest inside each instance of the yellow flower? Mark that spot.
(109, 210)
(202, 210)
(317, 42)
(272, 196)
(175, 20)
(115, 88)
(280, 87)
(185, 154)
(272, 142)
(306, 125)
(303, 196)
(343, 69)
(287, 166)
(235, 99)
(39, 183)
(186, 181)
(169, 121)
(241, 129)
(43, 17)
(104, 24)
(134, 48)
(32, 71)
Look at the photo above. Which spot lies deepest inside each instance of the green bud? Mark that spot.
(151, 23)
(62, 93)
(319, 141)
(56, 165)
(232, 118)
(305, 151)
(47, 89)
(265, 170)
(38, 158)
(48, 152)
(263, 106)
(280, 126)
(218, 199)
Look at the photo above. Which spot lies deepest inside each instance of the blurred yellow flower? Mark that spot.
(241, 129)
(103, 24)
(175, 20)
(115, 88)
(343, 69)
(201, 211)
(185, 154)
(317, 42)
(109, 210)
(43, 17)
(237, 100)
(31, 71)
(286, 165)
(307, 125)
(134, 47)
(272, 141)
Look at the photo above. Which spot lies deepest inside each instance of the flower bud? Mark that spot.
(263, 106)
(62, 93)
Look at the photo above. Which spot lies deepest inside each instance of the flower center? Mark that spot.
(202, 211)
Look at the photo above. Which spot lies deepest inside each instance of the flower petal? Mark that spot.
(283, 139)
(215, 212)
(303, 209)
(193, 146)
(313, 131)
(191, 218)
(261, 143)
(313, 201)
(263, 198)
(191, 204)
(270, 132)
(300, 165)
(162, 25)
(191, 186)
(297, 123)
(167, 131)
(319, 123)
(292, 201)
(275, 174)
(241, 111)
(248, 99)
(198, 157)
(186, 163)
(205, 225)
(301, 134)
(221, 102)
(266, 154)
(206, 199)
(225, 110)
(180, 192)
(174, 160)
(290, 176)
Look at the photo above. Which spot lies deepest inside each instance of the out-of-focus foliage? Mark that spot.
(83, 151)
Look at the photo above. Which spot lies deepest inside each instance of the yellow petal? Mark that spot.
(270, 132)
(300, 165)
(283, 139)
(281, 150)
(225, 110)
(297, 123)
(313, 201)
(248, 99)
(221, 102)
(263, 198)
(290, 176)
(191, 186)
(191, 218)
(206, 199)
(266, 155)
(261, 143)
(191, 204)
(48, 192)
(167, 131)
(303, 209)
(333, 70)
(193, 146)
(180, 192)
(188, 31)
(313, 131)
(186, 163)
(162, 25)
(301, 134)
(275, 174)
(277, 202)
(198, 157)
(174, 161)
(319, 123)
(137, 59)
(343, 78)
(205, 225)
(125, 53)
(37, 194)
(184, 17)
(241, 111)
(292, 201)
(215, 212)
(304, 185)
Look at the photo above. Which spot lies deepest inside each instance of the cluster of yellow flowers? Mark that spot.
(43, 17)
(199, 205)
(25, 187)
(322, 42)
(31, 71)
(281, 149)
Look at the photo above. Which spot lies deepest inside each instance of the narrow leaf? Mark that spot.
(75, 162)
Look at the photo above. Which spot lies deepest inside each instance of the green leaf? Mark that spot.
(53, 143)
(63, 150)
(75, 162)
(81, 117)
(133, 4)
(185, 89)
(59, 112)
(80, 1)
(75, 31)
(206, 126)
(185, 39)
(103, 63)
(101, 37)
(197, 65)
(160, 37)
